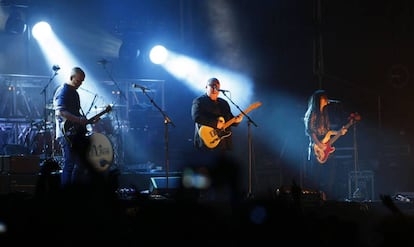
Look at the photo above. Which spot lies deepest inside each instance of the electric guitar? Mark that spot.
(71, 129)
(322, 154)
(212, 136)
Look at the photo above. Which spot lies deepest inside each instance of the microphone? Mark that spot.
(221, 90)
(103, 61)
(139, 86)
(333, 101)
(55, 67)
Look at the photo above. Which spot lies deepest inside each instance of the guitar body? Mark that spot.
(212, 136)
(71, 129)
(74, 132)
(322, 155)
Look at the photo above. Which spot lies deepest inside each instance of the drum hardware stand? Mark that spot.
(249, 194)
(104, 62)
(92, 103)
(55, 69)
(167, 121)
(14, 110)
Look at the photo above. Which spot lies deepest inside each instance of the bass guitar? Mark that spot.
(71, 129)
(322, 154)
(212, 136)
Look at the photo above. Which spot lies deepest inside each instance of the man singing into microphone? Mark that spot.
(210, 114)
(212, 111)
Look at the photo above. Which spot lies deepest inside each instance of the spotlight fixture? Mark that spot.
(128, 51)
(15, 24)
(130, 48)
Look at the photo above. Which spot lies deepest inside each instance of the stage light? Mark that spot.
(41, 30)
(158, 54)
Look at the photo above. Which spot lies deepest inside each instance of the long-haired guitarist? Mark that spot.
(71, 130)
(318, 129)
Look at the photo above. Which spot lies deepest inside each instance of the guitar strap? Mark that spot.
(310, 150)
(310, 147)
(197, 140)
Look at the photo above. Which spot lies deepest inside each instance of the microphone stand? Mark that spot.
(357, 194)
(250, 147)
(167, 121)
(45, 115)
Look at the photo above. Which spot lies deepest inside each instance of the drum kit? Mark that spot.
(38, 137)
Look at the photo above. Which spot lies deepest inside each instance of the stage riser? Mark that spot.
(18, 183)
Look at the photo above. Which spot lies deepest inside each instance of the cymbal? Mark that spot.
(114, 107)
(98, 108)
(119, 106)
(49, 107)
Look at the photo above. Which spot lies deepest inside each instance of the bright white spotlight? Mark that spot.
(158, 54)
(41, 30)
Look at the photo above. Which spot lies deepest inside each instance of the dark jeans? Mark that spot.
(322, 177)
(75, 168)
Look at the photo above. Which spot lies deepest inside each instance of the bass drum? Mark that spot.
(40, 142)
(101, 152)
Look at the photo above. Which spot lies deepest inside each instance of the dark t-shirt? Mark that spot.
(205, 112)
(66, 98)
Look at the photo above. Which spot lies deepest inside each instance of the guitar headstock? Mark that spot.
(255, 105)
(108, 108)
(354, 117)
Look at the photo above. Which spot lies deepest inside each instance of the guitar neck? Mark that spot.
(98, 115)
(333, 139)
(230, 122)
(249, 109)
(108, 109)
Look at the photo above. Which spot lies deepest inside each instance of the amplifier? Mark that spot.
(19, 164)
(361, 185)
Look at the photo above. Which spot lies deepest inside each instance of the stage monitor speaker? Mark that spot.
(361, 185)
(159, 185)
